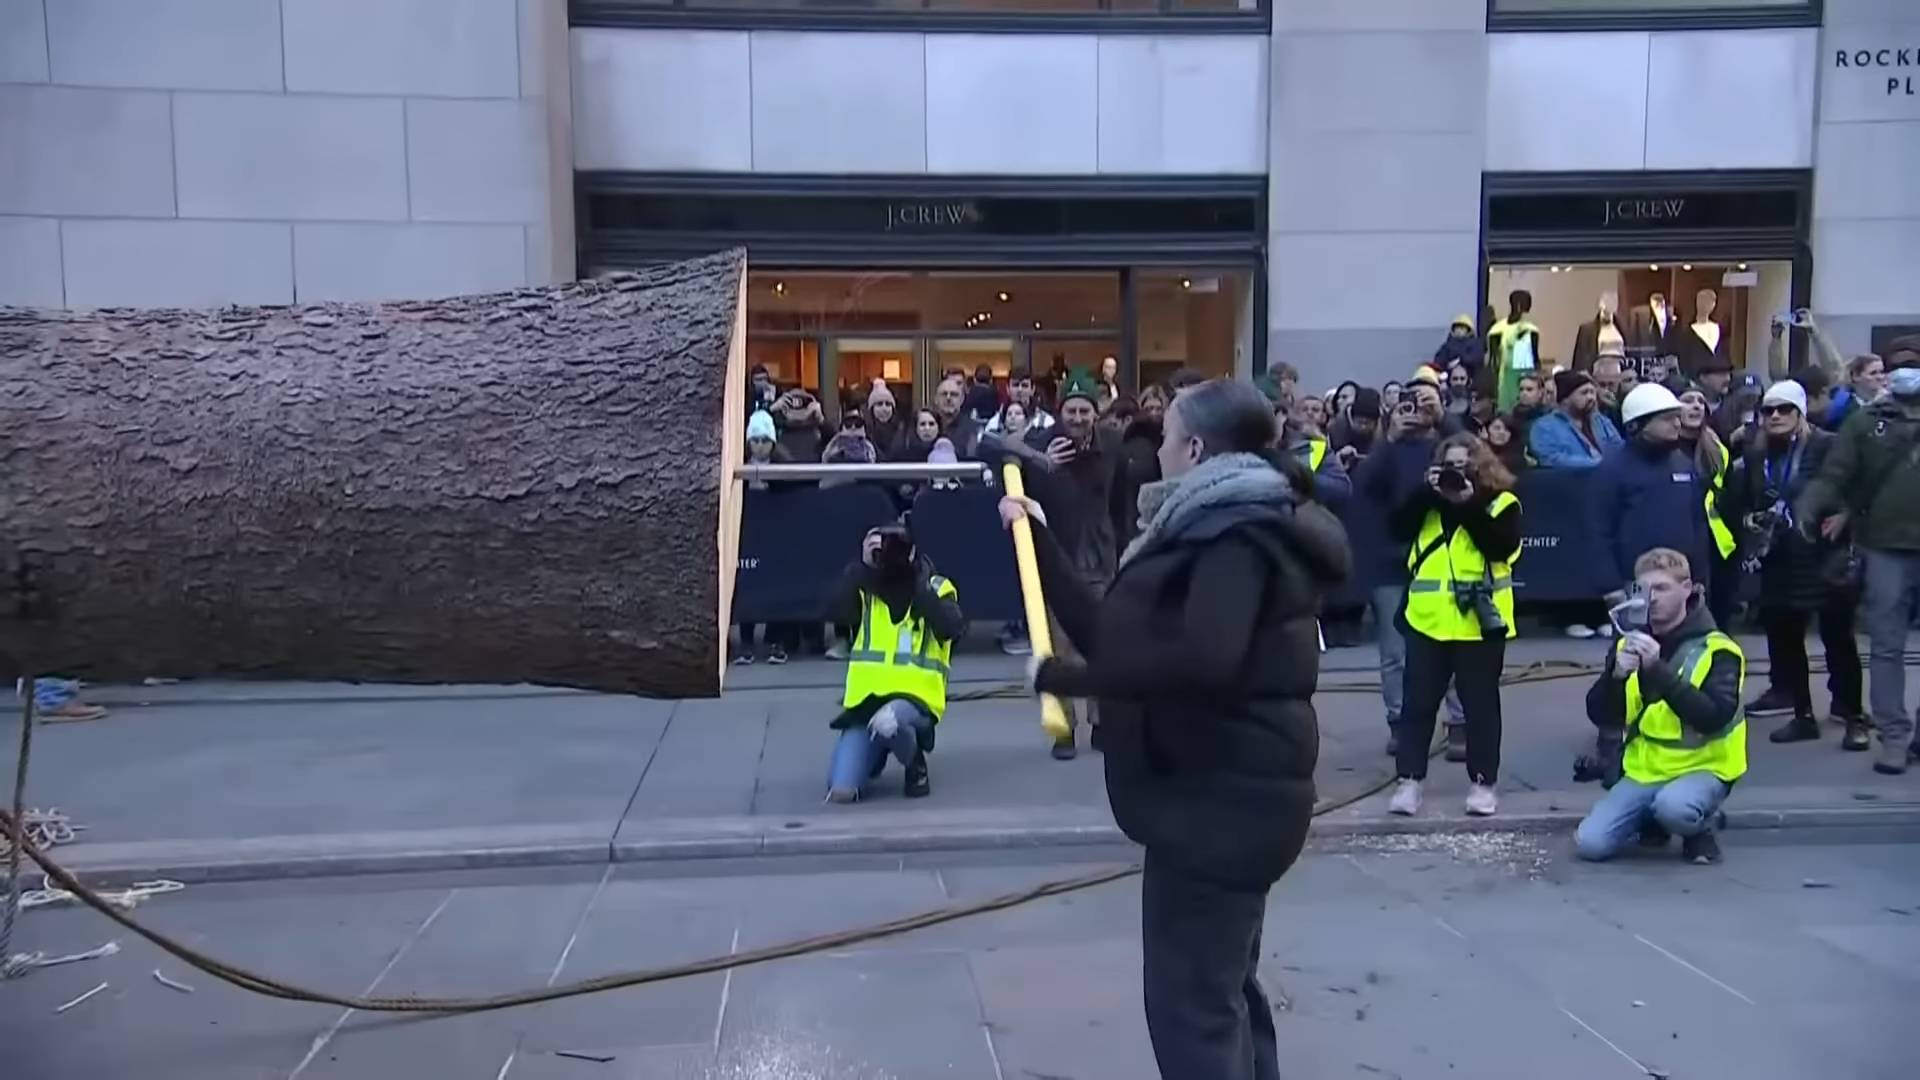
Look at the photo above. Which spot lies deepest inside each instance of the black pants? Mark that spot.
(1474, 668)
(1200, 947)
(1787, 654)
(1723, 590)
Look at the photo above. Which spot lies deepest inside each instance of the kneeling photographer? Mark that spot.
(1464, 528)
(907, 618)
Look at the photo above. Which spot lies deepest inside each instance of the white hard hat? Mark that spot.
(1647, 399)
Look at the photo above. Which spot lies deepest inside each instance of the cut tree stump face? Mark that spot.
(532, 486)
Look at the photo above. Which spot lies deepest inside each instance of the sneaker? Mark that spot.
(1889, 758)
(837, 650)
(1406, 798)
(1481, 800)
(1456, 742)
(1856, 736)
(842, 796)
(1015, 645)
(1701, 849)
(1580, 631)
(1771, 703)
(72, 712)
(1064, 750)
(1799, 729)
(918, 785)
(1604, 630)
(744, 659)
(776, 655)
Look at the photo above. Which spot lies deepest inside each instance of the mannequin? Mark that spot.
(1651, 327)
(1599, 335)
(1701, 342)
(1513, 346)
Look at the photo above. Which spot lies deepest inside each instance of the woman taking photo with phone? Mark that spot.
(1463, 528)
(1203, 657)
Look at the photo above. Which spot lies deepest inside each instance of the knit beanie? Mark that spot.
(1568, 383)
(760, 425)
(879, 393)
(1080, 384)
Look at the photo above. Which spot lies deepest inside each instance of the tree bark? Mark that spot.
(533, 486)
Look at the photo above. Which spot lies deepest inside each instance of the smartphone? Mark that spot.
(1631, 615)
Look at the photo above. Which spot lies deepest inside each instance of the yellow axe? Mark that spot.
(1053, 711)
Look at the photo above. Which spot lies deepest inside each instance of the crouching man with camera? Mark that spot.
(1463, 526)
(1671, 694)
(908, 618)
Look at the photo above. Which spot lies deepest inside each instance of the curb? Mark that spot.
(690, 843)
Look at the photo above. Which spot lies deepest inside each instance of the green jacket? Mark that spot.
(1873, 473)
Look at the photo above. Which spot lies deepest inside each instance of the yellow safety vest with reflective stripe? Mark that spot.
(1431, 607)
(1660, 748)
(891, 659)
(1723, 540)
(1316, 452)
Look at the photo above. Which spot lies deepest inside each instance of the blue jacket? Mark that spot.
(1643, 498)
(1555, 444)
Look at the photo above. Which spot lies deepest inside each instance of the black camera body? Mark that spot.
(895, 557)
(1452, 480)
(1476, 598)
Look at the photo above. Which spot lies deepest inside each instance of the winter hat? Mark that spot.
(1268, 385)
(879, 393)
(1568, 383)
(942, 452)
(1715, 365)
(1426, 374)
(1463, 320)
(760, 425)
(1366, 404)
(1080, 384)
(1787, 392)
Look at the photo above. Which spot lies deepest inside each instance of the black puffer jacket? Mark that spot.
(1797, 573)
(1204, 657)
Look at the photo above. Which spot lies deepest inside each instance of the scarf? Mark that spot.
(1168, 508)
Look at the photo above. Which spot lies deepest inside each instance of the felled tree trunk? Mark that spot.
(533, 486)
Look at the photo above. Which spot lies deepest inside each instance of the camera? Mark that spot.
(1452, 479)
(895, 557)
(1476, 598)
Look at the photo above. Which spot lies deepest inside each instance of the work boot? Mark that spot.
(1772, 703)
(1889, 757)
(918, 785)
(1456, 742)
(1063, 748)
(1856, 737)
(1406, 798)
(1801, 728)
(1701, 849)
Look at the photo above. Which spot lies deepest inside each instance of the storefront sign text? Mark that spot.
(931, 215)
(1643, 211)
(1896, 64)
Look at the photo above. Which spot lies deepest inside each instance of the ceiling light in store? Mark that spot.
(1186, 283)
(1686, 266)
(1553, 269)
(1036, 324)
(1655, 267)
(779, 288)
(1743, 266)
(1005, 296)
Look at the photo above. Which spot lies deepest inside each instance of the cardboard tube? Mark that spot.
(1053, 711)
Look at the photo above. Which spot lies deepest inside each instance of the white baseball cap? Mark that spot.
(1787, 392)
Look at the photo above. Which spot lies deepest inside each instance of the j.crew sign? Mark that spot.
(931, 216)
(1643, 211)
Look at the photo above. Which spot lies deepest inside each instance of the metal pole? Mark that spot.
(901, 471)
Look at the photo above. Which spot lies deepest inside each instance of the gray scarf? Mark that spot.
(1169, 507)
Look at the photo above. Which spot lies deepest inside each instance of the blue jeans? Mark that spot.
(50, 693)
(1683, 806)
(862, 752)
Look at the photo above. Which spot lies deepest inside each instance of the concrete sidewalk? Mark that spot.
(208, 781)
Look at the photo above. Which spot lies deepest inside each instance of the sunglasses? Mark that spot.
(1777, 410)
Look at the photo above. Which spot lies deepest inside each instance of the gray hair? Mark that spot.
(1228, 417)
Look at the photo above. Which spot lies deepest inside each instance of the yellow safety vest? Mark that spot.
(891, 659)
(1316, 452)
(1431, 607)
(1723, 540)
(1660, 748)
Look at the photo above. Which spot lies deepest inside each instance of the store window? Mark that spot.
(1193, 318)
(1653, 14)
(1657, 315)
(1044, 14)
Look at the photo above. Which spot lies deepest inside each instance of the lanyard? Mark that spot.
(1787, 462)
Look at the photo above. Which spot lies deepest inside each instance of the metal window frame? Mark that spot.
(1805, 13)
(1580, 246)
(682, 15)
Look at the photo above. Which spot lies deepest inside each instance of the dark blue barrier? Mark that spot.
(794, 544)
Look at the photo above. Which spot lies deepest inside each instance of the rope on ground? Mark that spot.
(1540, 671)
(17, 835)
